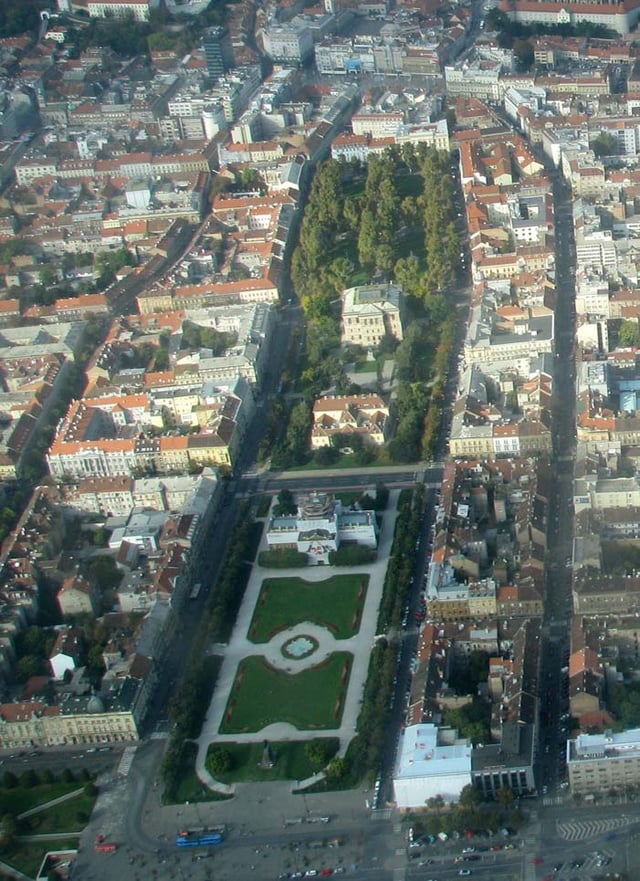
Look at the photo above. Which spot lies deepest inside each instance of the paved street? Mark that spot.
(270, 828)
(584, 830)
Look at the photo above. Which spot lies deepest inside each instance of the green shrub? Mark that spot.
(352, 555)
(220, 760)
(286, 558)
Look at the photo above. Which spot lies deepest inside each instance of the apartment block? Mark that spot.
(597, 763)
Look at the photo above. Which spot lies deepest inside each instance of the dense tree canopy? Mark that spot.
(604, 144)
(392, 219)
(18, 16)
(629, 334)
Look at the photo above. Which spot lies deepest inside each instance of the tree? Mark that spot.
(160, 42)
(295, 446)
(496, 20)
(18, 16)
(505, 796)
(220, 760)
(161, 360)
(95, 659)
(67, 776)
(470, 796)
(604, 144)
(29, 666)
(47, 275)
(325, 457)
(339, 273)
(9, 780)
(320, 751)
(34, 640)
(408, 274)
(367, 240)
(104, 573)
(524, 55)
(385, 258)
(337, 769)
(101, 537)
(286, 504)
(29, 779)
(629, 334)
(478, 667)
(8, 830)
(90, 789)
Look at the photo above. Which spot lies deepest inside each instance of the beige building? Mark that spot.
(364, 415)
(76, 721)
(595, 593)
(454, 602)
(599, 762)
(371, 312)
(137, 9)
(155, 300)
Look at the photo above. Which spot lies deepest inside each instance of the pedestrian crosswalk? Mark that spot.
(580, 830)
(550, 800)
(592, 862)
(126, 760)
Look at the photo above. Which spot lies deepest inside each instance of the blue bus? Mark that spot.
(198, 838)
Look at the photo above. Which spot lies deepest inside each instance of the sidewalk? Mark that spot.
(359, 645)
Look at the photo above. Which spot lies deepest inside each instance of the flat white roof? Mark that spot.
(420, 755)
(609, 743)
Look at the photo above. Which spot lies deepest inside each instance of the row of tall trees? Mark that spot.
(189, 704)
(442, 242)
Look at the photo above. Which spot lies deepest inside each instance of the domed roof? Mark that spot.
(95, 704)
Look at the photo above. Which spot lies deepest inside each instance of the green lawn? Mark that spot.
(28, 855)
(264, 503)
(312, 699)
(366, 367)
(291, 762)
(190, 788)
(16, 800)
(336, 603)
(69, 816)
(348, 498)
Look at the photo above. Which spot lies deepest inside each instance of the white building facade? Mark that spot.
(431, 762)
